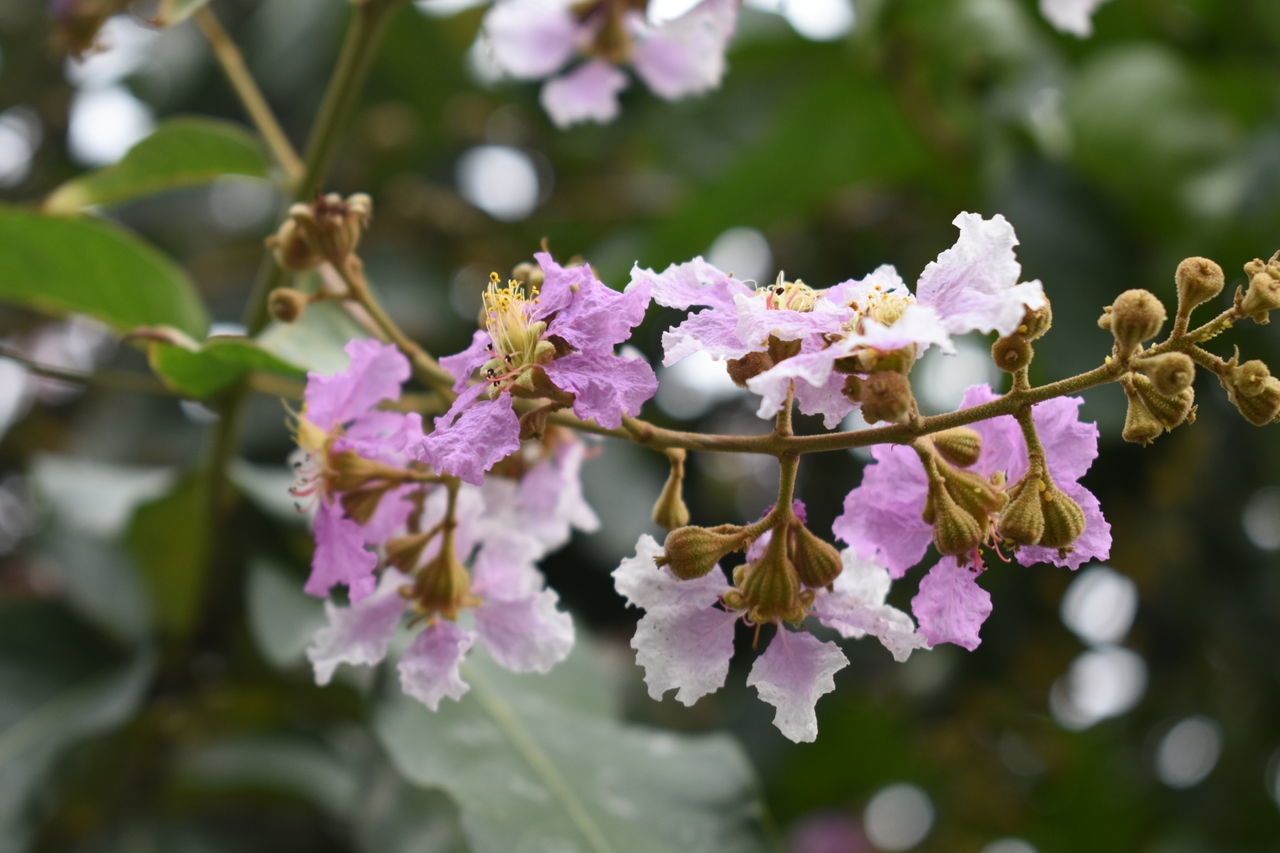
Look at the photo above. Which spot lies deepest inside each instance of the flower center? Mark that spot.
(514, 339)
(790, 296)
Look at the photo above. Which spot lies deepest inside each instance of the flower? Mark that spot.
(354, 463)
(684, 641)
(553, 344)
(1071, 16)
(534, 39)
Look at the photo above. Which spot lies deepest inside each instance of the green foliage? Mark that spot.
(170, 538)
(182, 152)
(92, 267)
(223, 360)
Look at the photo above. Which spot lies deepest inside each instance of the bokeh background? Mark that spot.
(1132, 706)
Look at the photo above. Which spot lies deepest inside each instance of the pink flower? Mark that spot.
(522, 351)
(534, 39)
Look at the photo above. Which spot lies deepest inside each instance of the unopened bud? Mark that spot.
(1171, 410)
(443, 585)
(886, 396)
(529, 275)
(750, 365)
(1012, 353)
(692, 552)
(1023, 519)
(816, 561)
(292, 249)
(961, 446)
(361, 504)
(975, 494)
(1134, 317)
(955, 531)
(670, 510)
(1198, 280)
(1254, 391)
(332, 225)
(771, 588)
(1262, 298)
(286, 304)
(1036, 321)
(405, 552)
(1063, 518)
(1170, 373)
(1140, 426)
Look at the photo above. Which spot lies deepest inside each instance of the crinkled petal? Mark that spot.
(694, 282)
(391, 437)
(1070, 445)
(588, 93)
(713, 331)
(882, 516)
(531, 38)
(974, 284)
(1093, 544)
(591, 316)
(525, 634)
(1071, 16)
(429, 669)
(463, 364)
(643, 583)
(340, 556)
(856, 607)
(684, 649)
(685, 56)
(375, 374)
(390, 517)
(883, 279)
(605, 386)
(504, 568)
(484, 434)
(552, 497)
(358, 634)
(950, 606)
(808, 369)
(792, 674)
(757, 322)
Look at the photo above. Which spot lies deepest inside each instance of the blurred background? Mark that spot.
(153, 692)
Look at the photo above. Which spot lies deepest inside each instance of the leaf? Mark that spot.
(182, 152)
(222, 360)
(533, 769)
(316, 340)
(176, 11)
(85, 265)
(282, 617)
(170, 538)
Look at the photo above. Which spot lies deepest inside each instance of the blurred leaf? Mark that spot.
(316, 340)
(170, 538)
(183, 152)
(281, 616)
(397, 817)
(176, 11)
(267, 486)
(222, 360)
(58, 265)
(533, 769)
(59, 682)
(271, 764)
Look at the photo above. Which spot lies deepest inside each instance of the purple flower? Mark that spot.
(534, 39)
(951, 606)
(556, 343)
(684, 641)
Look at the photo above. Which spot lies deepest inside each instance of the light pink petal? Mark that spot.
(552, 498)
(686, 650)
(883, 279)
(605, 386)
(713, 331)
(390, 517)
(429, 669)
(1093, 544)
(375, 374)
(856, 607)
(685, 56)
(882, 516)
(757, 322)
(589, 315)
(950, 606)
(694, 282)
(1071, 16)
(643, 583)
(588, 93)
(358, 634)
(483, 435)
(974, 284)
(792, 674)
(340, 556)
(463, 364)
(1070, 445)
(525, 634)
(504, 569)
(808, 370)
(531, 38)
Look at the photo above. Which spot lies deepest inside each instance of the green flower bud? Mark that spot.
(1198, 280)
(975, 494)
(529, 275)
(1023, 520)
(955, 530)
(1170, 373)
(405, 552)
(1063, 518)
(1134, 317)
(1012, 353)
(1140, 426)
(670, 510)
(886, 396)
(1254, 391)
(292, 250)
(1262, 298)
(1170, 410)
(692, 552)
(771, 588)
(817, 562)
(961, 446)
(442, 586)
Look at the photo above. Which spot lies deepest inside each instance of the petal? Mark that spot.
(552, 498)
(463, 364)
(791, 675)
(1071, 16)
(483, 435)
(812, 370)
(340, 556)
(525, 634)
(531, 38)
(593, 316)
(855, 607)
(375, 374)
(429, 669)
(588, 93)
(950, 606)
(684, 649)
(694, 282)
(757, 322)
(882, 517)
(713, 331)
(643, 583)
(358, 634)
(1093, 544)
(605, 387)
(685, 56)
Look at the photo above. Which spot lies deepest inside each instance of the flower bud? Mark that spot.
(670, 510)
(771, 588)
(1198, 280)
(750, 365)
(692, 552)
(443, 585)
(331, 226)
(1140, 426)
(292, 250)
(405, 552)
(974, 493)
(1036, 321)
(1262, 298)
(955, 531)
(286, 304)
(529, 275)
(817, 562)
(1134, 317)
(1170, 410)
(886, 396)
(1063, 518)
(1012, 353)
(1254, 391)
(1023, 519)
(961, 446)
(1170, 373)
(361, 504)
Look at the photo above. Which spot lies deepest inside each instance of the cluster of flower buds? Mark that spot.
(326, 229)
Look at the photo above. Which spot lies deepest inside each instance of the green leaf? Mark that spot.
(170, 538)
(282, 617)
(533, 769)
(183, 152)
(222, 360)
(316, 340)
(58, 265)
(176, 11)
